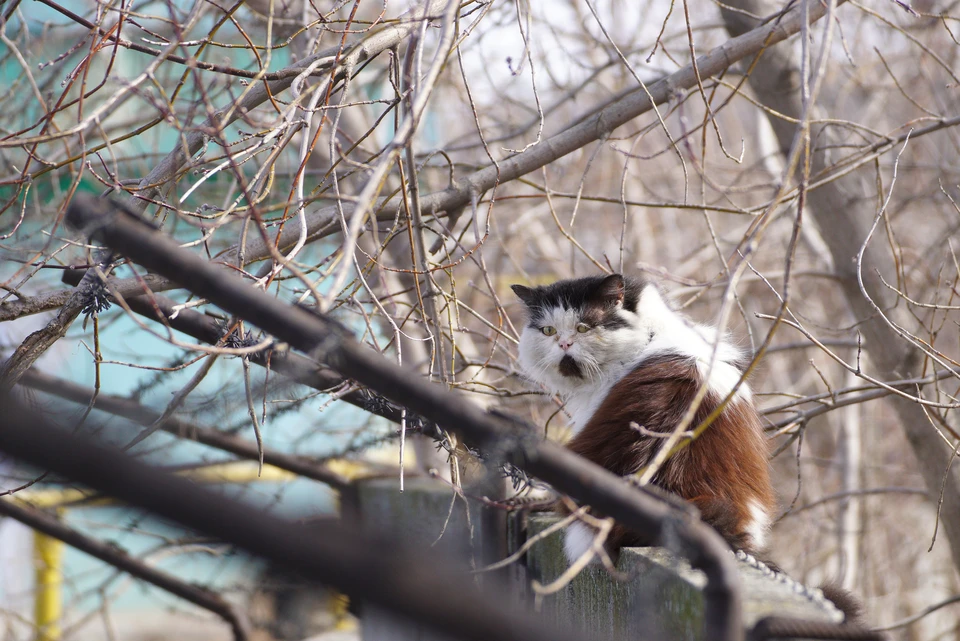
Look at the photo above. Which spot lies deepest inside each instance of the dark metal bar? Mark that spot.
(498, 437)
(118, 558)
(209, 330)
(136, 412)
(412, 586)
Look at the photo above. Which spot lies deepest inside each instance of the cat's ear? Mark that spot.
(609, 291)
(525, 294)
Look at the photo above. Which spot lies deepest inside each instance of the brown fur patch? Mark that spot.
(720, 472)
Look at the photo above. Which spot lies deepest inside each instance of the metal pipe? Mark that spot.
(48, 609)
(211, 330)
(377, 570)
(130, 409)
(499, 437)
(48, 578)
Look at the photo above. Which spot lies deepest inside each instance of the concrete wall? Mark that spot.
(659, 598)
(427, 514)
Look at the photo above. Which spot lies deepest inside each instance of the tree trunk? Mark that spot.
(844, 209)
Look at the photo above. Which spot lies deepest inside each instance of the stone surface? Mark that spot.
(428, 515)
(655, 596)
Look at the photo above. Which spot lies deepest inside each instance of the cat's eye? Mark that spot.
(548, 330)
(583, 328)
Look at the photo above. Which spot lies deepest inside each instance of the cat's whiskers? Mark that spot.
(590, 363)
(539, 369)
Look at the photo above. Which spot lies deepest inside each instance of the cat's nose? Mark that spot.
(566, 344)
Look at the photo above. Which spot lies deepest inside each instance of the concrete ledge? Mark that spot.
(662, 597)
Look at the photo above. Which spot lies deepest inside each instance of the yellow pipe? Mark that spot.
(48, 606)
(339, 606)
(229, 472)
(48, 552)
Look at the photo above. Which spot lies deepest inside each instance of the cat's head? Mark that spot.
(576, 328)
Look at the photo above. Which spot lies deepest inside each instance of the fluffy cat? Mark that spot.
(618, 354)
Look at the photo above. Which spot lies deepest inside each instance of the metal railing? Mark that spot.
(499, 437)
(43, 509)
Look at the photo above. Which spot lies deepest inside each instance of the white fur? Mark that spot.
(578, 537)
(675, 333)
(605, 356)
(759, 525)
(577, 541)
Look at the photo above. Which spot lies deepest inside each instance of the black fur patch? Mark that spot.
(589, 296)
(569, 367)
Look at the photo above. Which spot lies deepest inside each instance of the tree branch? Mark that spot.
(378, 571)
(142, 415)
(843, 209)
(113, 555)
(153, 185)
(497, 437)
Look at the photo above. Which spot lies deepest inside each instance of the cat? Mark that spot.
(627, 367)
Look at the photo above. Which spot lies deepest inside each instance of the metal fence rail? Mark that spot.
(379, 571)
(499, 437)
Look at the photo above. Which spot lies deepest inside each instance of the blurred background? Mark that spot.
(822, 174)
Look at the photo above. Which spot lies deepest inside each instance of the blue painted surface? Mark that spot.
(305, 431)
